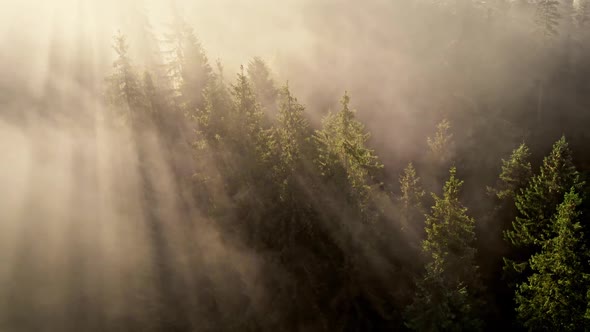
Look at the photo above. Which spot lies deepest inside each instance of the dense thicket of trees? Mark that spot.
(344, 240)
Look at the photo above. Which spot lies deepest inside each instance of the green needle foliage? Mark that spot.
(411, 200)
(516, 172)
(538, 202)
(447, 295)
(344, 157)
(554, 297)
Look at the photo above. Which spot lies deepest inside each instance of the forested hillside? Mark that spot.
(431, 176)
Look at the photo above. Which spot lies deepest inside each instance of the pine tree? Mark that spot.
(290, 139)
(241, 156)
(344, 158)
(539, 200)
(215, 116)
(188, 67)
(214, 161)
(146, 50)
(290, 154)
(536, 204)
(516, 172)
(262, 83)
(246, 115)
(554, 297)
(411, 199)
(124, 92)
(500, 260)
(446, 298)
(441, 144)
(137, 101)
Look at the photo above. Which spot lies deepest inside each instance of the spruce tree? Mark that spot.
(124, 93)
(344, 157)
(262, 83)
(447, 294)
(411, 200)
(290, 139)
(146, 50)
(515, 174)
(289, 151)
(245, 148)
(538, 202)
(246, 115)
(189, 70)
(440, 145)
(135, 102)
(213, 119)
(554, 296)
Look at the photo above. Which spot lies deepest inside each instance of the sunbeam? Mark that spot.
(158, 172)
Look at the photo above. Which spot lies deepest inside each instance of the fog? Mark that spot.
(103, 224)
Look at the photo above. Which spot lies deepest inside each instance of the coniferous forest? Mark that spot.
(423, 167)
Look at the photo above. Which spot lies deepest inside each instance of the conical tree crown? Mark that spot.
(554, 297)
(516, 172)
(344, 156)
(539, 200)
(447, 295)
(124, 91)
(262, 82)
(411, 198)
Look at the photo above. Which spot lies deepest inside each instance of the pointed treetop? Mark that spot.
(120, 44)
(441, 143)
(453, 185)
(345, 101)
(516, 172)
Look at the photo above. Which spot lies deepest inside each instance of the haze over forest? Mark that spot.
(296, 165)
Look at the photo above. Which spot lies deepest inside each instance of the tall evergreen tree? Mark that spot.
(539, 200)
(515, 174)
(246, 115)
(291, 140)
(411, 200)
(536, 204)
(345, 159)
(137, 101)
(262, 83)
(146, 51)
(554, 296)
(188, 67)
(441, 144)
(214, 118)
(242, 153)
(447, 294)
(124, 91)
